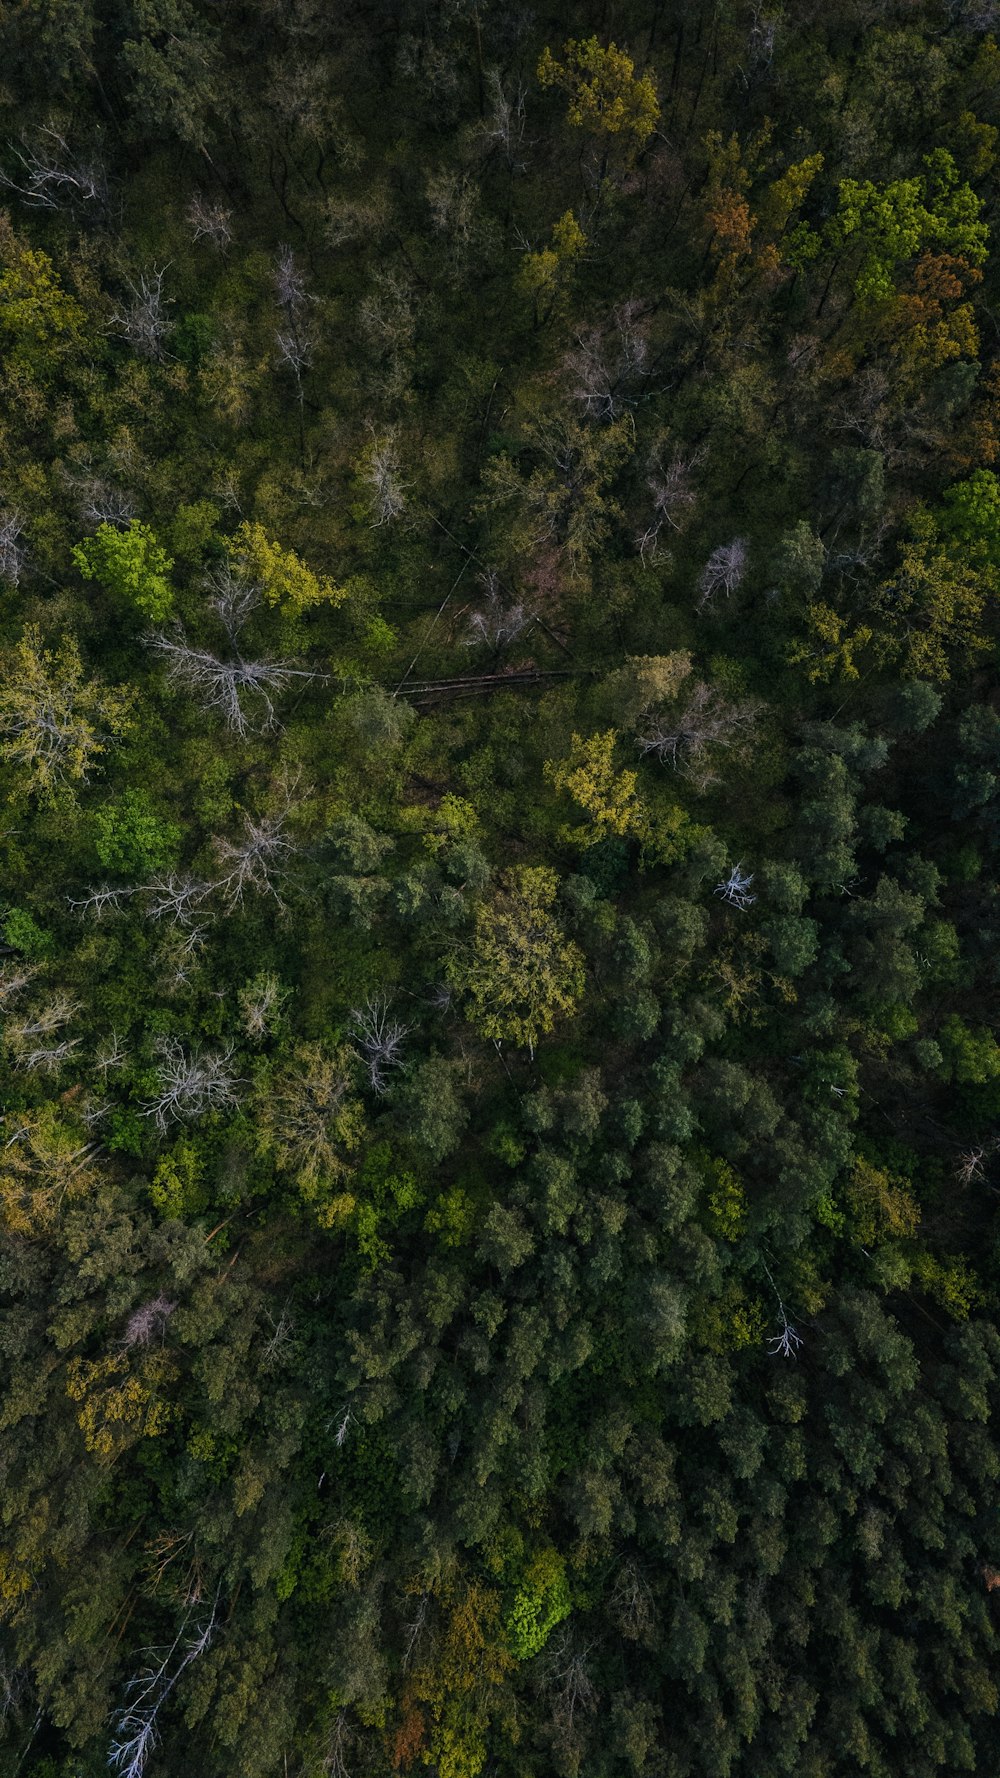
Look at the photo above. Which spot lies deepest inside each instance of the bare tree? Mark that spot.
(136, 1731)
(979, 15)
(567, 1675)
(761, 41)
(786, 1343)
(225, 686)
(50, 177)
(100, 901)
(673, 491)
(387, 315)
(180, 947)
(260, 1005)
(736, 889)
(415, 1628)
(605, 364)
(190, 1084)
(970, 1168)
(142, 318)
(723, 572)
(497, 621)
(688, 738)
(379, 1039)
(344, 1425)
(42, 1022)
(296, 349)
(334, 1757)
(281, 1341)
(289, 282)
(13, 554)
(504, 125)
(357, 219)
(255, 861)
(15, 1688)
(867, 409)
(47, 1058)
(148, 1322)
(14, 978)
(209, 222)
(296, 339)
(234, 595)
(455, 205)
(382, 474)
(100, 503)
(111, 1054)
(176, 898)
(632, 1603)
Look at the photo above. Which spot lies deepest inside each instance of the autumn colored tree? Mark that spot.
(57, 723)
(519, 970)
(606, 96)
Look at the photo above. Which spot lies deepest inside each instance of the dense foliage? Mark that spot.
(500, 750)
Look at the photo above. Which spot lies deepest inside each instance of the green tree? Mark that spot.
(132, 839)
(131, 564)
(896, 221)
(312, 1122)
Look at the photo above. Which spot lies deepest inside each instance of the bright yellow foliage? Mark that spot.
(881, 1204)
(545, 275)
(45, 1158)
(119, 1405)
(458, 1690)
(837, 645)
(934, 604)
(35, 310)
(949, 1281)
(56, 724)
(787, 194)
(520, 971)
(286, 580)
(608, 797)
(607, 97)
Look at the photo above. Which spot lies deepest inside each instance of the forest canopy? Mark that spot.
(499, 978)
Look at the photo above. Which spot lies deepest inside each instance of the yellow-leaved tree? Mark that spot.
(310, 1121)
(120, 1399)
(612, 802)
(47, 1158)
(55, 723)
(456, 1692)
(608, 796)
(285, 579)
(606, 95)
(545, 276)
(520, 971)
(935, 603)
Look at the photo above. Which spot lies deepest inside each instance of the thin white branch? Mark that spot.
(735, 889)
(222, 686)
(379, 1040)
(723, 572)
(190, 1084)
